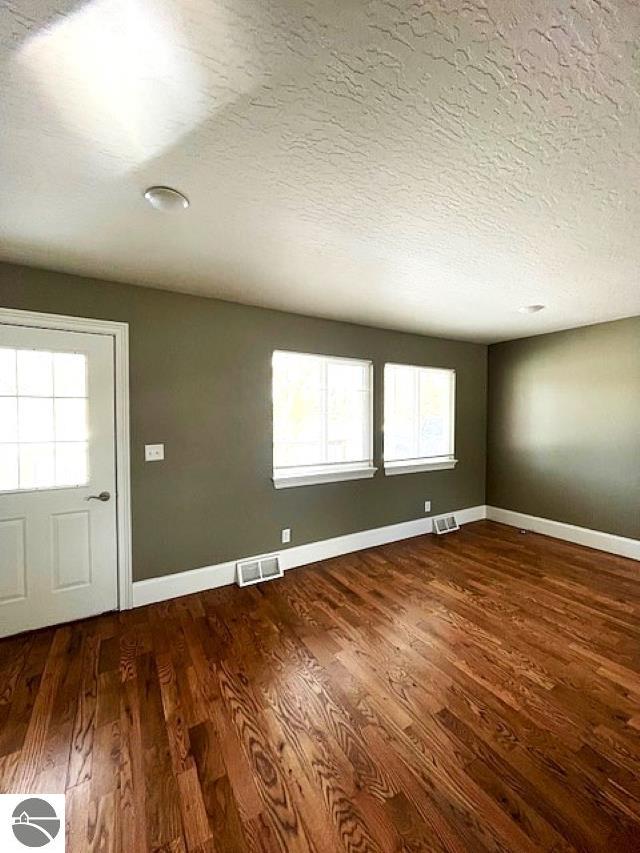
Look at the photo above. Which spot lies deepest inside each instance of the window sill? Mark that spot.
(311, 478)
(416, 466)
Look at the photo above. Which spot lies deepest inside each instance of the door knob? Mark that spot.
(103, 496)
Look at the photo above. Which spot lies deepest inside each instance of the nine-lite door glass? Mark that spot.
(43, 419)
(321, 412)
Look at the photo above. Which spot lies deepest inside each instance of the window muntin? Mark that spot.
(321, 413)
(419, 414)
(43, 419)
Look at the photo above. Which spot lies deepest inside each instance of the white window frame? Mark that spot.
(308, 475)
(425, 463)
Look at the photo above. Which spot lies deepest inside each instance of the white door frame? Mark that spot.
(120, 334)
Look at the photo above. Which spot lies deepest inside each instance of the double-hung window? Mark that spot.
(322, 414)
(419, 418)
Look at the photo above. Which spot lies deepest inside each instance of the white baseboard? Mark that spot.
(619, 545)
(211, 577)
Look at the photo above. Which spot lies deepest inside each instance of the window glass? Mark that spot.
(43, 419)
(321, 411)
(418, 413)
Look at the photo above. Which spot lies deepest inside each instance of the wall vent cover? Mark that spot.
(445, 524)
(259, 569)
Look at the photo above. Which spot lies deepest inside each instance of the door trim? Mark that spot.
(120, 334)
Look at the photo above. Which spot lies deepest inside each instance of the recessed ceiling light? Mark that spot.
(166, 199)
(531, 309)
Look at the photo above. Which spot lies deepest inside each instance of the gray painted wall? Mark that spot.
(201, 382)
(564, 426)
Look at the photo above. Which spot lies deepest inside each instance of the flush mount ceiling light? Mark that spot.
(166, 199)
(531, 309)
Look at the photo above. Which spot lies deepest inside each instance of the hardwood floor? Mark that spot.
(466, 693)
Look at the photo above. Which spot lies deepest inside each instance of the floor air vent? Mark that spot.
(445, 524)
(259, 569)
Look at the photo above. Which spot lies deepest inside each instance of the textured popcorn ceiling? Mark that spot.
(428, 166)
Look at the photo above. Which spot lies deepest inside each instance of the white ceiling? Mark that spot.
(428, 166)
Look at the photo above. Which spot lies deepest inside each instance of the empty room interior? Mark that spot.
(320, 426)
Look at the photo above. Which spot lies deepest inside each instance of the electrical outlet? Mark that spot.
(153, 452)
(427, 506)
(286, 535)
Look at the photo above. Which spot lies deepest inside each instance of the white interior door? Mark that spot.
(58, 541)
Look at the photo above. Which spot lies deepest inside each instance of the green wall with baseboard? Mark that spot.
(564, 427)
(200, 383)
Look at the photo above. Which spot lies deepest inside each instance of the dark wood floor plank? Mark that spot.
(132, 782)
(33, 749)
(476, 692)
(81, 747)
(162, 813)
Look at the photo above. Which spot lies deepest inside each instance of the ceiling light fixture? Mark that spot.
(166, 199)
(531, 309)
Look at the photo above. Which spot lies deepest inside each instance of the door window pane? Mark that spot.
(35, 373)
(7, 371)
(70, 420)
(35, 419)
(71, 463)
(37, 468)
(8, 419)
(8, 467)
(69, 374)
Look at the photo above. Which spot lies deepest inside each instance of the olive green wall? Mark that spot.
(564, 427)
(200, 383)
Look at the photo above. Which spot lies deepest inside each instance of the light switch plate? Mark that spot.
(153, 452)
(286, 535)
(427, 506)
